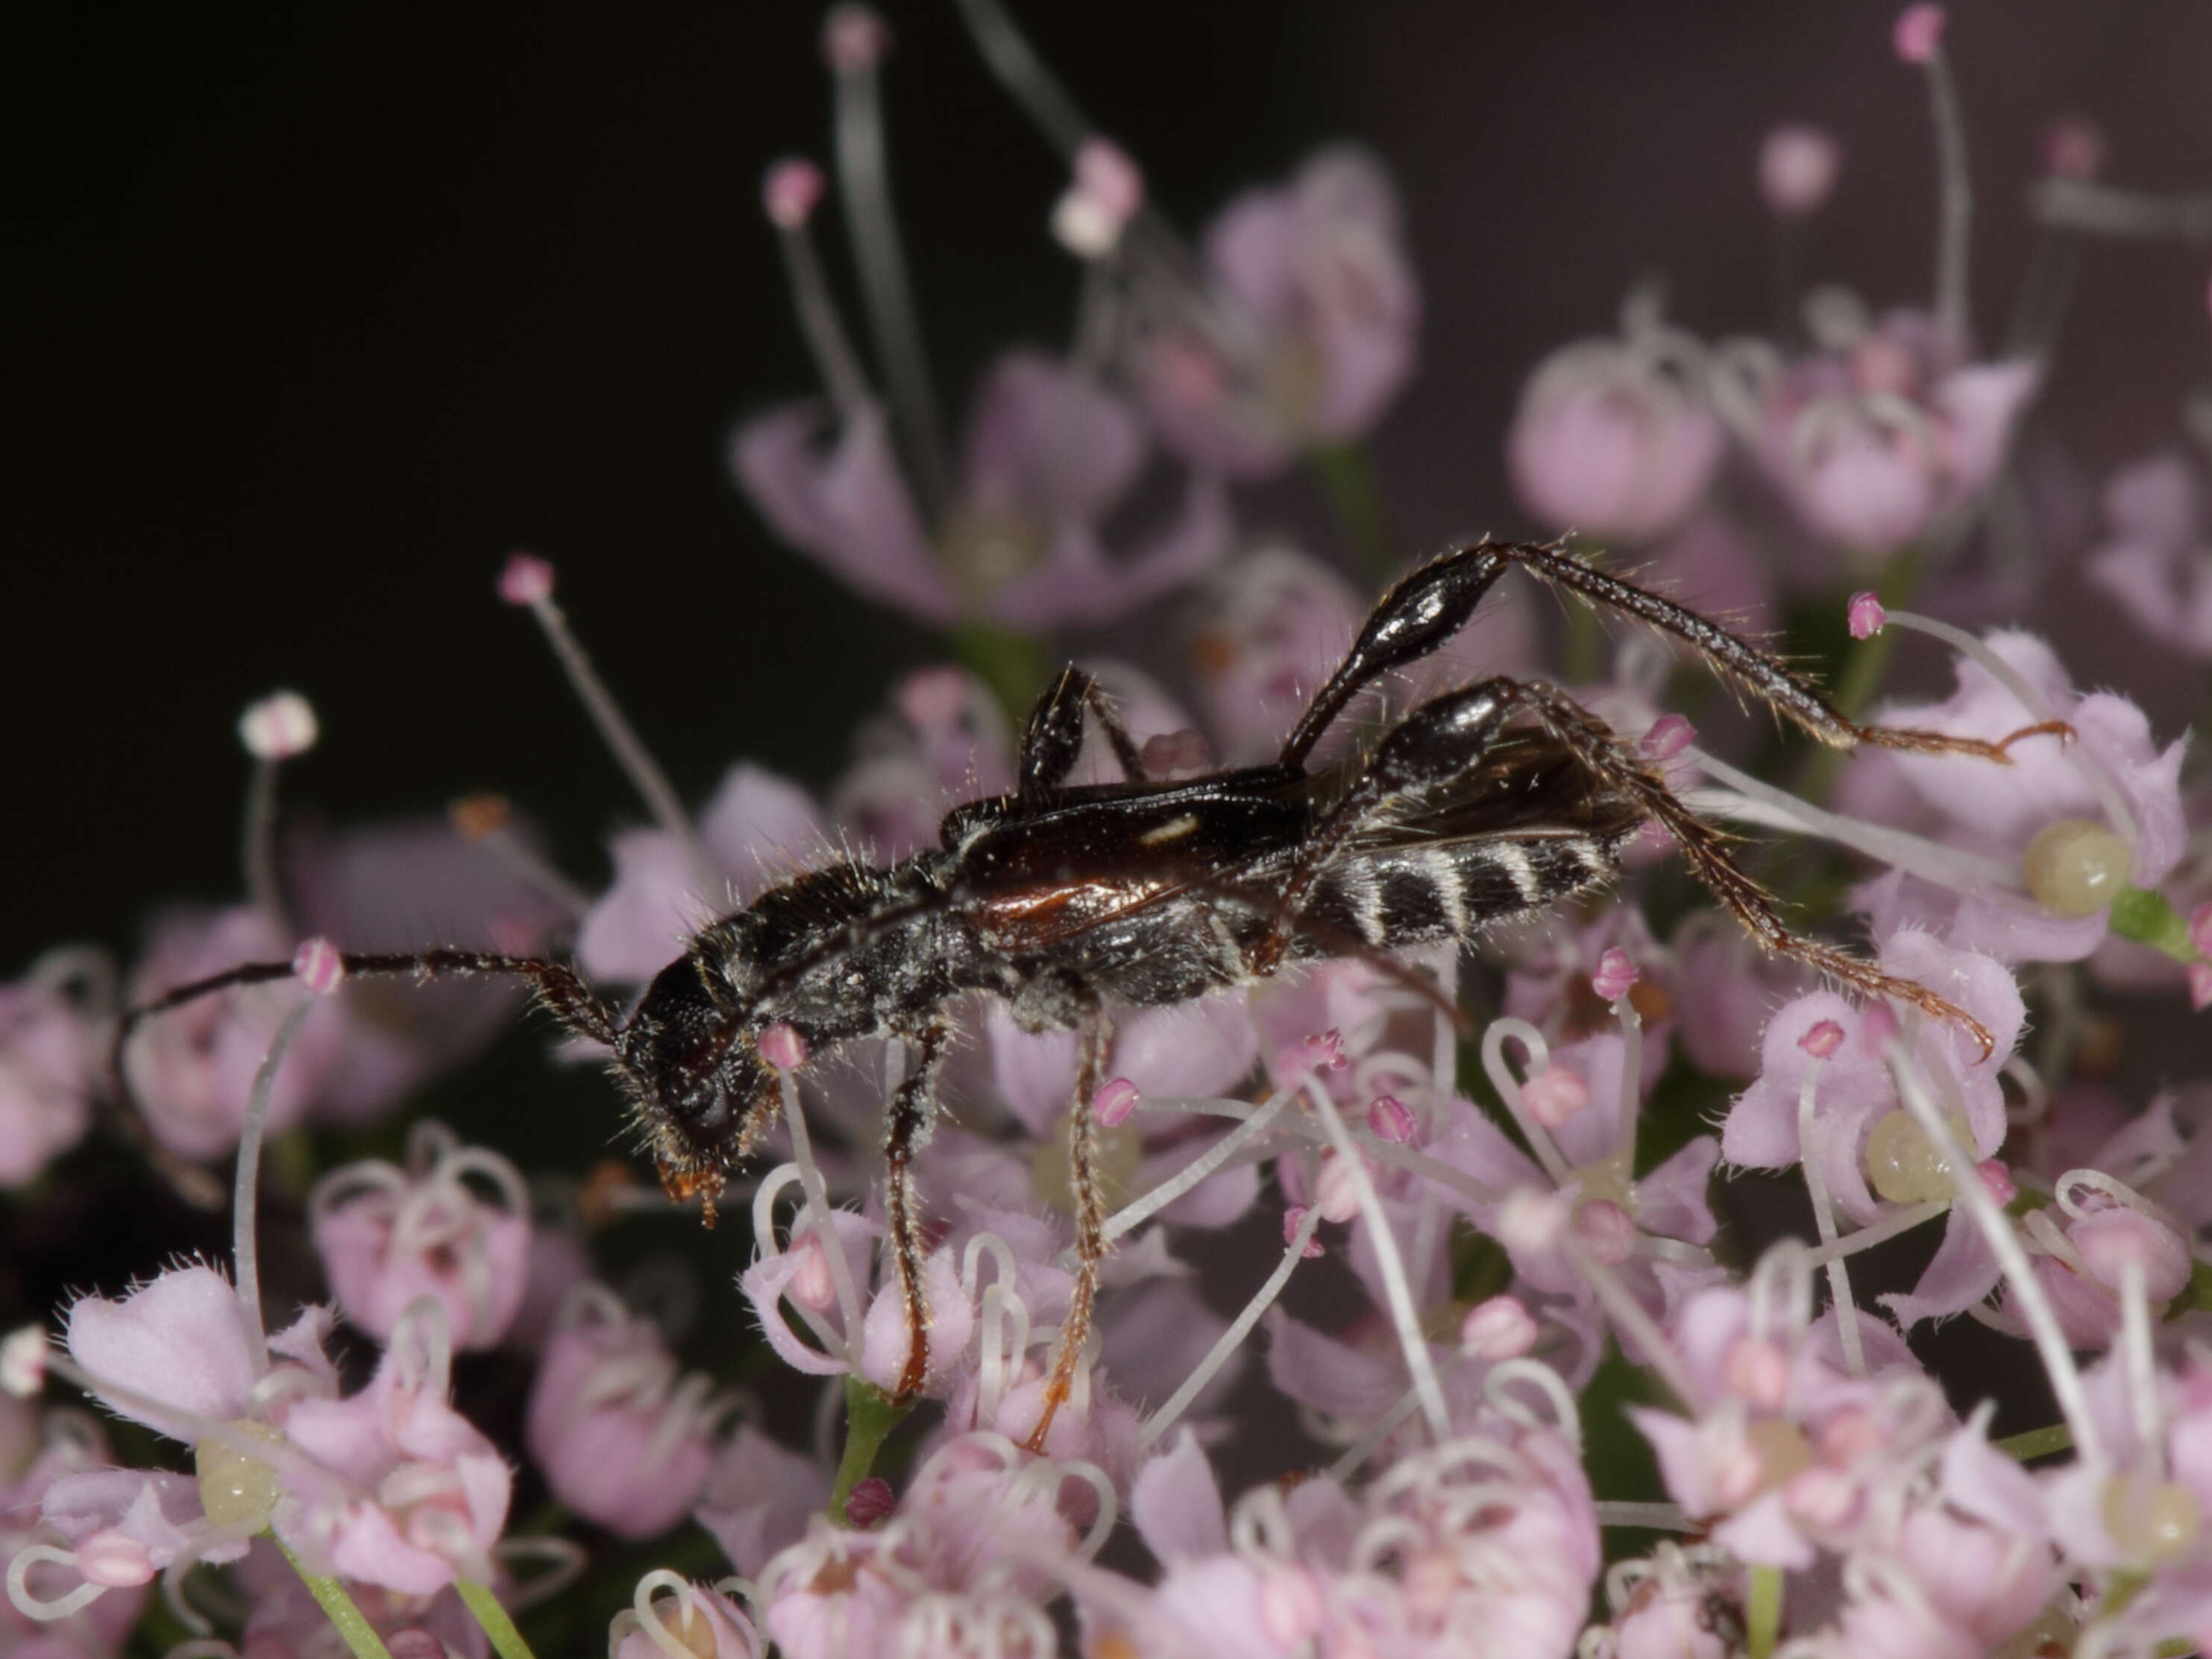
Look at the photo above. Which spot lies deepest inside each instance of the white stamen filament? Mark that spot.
(539, 872)
(2037, 708)
(620, 736)
(1881, 1232)
(1023, 75)
(2102, 210)
(1623, 1157)
(1501, 1076)
(885, 291)
(818, 323)
(1754, 802)
(2142, 1368)
(1955, 227)
(246, 1189)
(1811, 1143)
(1427, 1167)
(1982, 1209)
(258, 833)
(1232, 1338)
(1630, 1319)
(35, 1607)
(1390, 1264)
(1355, 1455)
(999, 1361)
(1196, 1170)
(1566, 1417)
(820, 1217)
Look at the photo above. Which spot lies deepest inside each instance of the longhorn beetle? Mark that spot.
(1479, 806)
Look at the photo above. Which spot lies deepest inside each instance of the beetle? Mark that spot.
(1476, 807)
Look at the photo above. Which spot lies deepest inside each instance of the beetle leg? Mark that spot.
(1052, 739)
(912, 1115)
(1089, 1221)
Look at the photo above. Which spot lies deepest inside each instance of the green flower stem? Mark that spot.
(1763, 1615)
(1355, 502)
(869, 1416)
(352, 1625)
(506, 1641)
(2036, 1442)
(2148, 919)
(1012, 666)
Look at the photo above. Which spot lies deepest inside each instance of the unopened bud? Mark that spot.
(1392, 1119)
(113, 1559)
(1669, 736)
(870, 1501)
(1337, 1188)
(1823, 1040)
(1111, 1106)
(1554, 1095)
(811, 1286)
(1616, 975)
(1500, 1328)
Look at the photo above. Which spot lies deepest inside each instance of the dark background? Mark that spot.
(320, 309)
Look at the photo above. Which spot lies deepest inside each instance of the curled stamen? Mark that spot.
(1509, 1087)
(822, 1216)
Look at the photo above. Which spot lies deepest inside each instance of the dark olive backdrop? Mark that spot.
(320, 308)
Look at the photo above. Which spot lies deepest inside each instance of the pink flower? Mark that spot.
(1049, 453)
(2157, 562)
(698, 1622)
(1308, 325)
(1614, 439)
(388, 1236)
(2110, 782)
(191, 1069)
(1871, 445)
(944, 1560)
(625, 1439)
(415, 1496)
(179, 1354)
(49, 1057)
(1855, 1092)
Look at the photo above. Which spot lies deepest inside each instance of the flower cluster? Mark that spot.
(1426, 1321)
